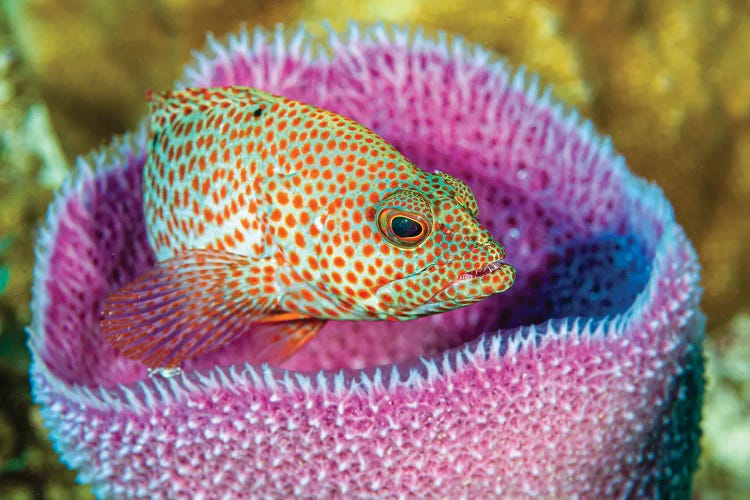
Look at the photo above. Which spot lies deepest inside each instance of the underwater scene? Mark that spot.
(392, 249)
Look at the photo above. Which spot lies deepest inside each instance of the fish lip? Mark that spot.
(440, 267)
(478, 273)
(474, 274)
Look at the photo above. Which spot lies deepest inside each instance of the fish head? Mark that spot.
(424, 252)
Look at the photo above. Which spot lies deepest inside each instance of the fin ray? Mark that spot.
(282, 340)
(185, 306)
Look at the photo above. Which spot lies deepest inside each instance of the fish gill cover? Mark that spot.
(585, 378)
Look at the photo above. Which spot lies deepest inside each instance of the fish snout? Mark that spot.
(487, 248)
(480, 273)
(480, 237)
(477, 282)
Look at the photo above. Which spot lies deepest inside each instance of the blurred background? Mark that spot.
(668, 80)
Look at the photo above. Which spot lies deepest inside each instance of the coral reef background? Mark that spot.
(668, 80)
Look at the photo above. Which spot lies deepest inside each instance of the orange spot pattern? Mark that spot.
(239, 170)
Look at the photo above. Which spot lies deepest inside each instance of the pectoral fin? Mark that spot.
(189, 305)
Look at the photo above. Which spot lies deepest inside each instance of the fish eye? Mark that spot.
(403, 229)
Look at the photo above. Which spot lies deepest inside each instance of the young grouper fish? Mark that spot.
(269, 216)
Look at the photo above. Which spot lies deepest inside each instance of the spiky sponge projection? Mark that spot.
(584, 379)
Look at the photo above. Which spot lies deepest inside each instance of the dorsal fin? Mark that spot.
(166, 108)
(192, 96)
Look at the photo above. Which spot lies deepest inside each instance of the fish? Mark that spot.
(269, 217)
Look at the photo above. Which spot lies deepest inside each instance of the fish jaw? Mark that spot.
(474, 285)
(441, 287)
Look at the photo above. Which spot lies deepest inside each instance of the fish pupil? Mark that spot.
(403, 227)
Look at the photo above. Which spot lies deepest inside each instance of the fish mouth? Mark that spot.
(478, 273)
(469, 286)
(459, 282)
